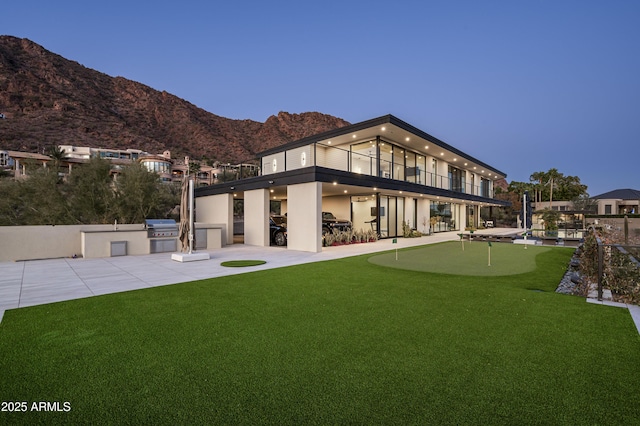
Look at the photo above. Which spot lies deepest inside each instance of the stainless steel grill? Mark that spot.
(157, 228)
(162, 235)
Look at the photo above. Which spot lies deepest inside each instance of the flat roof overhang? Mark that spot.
(399, 132)
(337, 182)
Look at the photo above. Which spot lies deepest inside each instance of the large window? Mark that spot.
(484, 187)
(441, 217)
(386, 160)
(434, 173)
(398, 163)
(412, 172)
(363, 158)
(456, 179)
(157, 166)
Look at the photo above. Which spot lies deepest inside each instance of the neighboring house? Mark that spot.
(378, 174)
(170, 170)
(619, 201)
(16, 162)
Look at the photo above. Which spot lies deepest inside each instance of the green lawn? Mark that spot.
(344, 341)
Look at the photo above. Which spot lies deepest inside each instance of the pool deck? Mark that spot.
(37, 282)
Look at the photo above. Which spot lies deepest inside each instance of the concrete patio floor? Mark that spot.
(37, 282)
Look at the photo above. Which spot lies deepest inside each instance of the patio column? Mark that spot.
(304, 217)
(256, 218)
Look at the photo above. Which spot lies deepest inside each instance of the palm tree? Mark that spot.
(58, 155)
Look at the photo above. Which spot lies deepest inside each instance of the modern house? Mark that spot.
(379, 174)
(619, 201)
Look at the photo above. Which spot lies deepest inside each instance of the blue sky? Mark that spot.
(522, 85)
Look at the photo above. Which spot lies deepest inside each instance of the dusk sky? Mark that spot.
(522, 86)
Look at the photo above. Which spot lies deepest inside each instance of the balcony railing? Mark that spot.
(341, 159)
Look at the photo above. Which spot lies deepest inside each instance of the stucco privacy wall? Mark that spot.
(46, 242)
(256, 217)
(50, 242)
(304, 217)
(98, 244)
(217, 209)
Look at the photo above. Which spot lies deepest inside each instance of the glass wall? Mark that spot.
(398, 163)
(363, 158)
(456, 179)
(391, 216)
(378, 157)
(157, 166)
(386, 160)
(443, 216)
(412, 173)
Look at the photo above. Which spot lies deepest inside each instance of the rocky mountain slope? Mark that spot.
(49, 100)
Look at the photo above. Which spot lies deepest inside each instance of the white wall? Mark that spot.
(304, 218)
(299, 158)
(256, 217)
(362, 214)
(408, 212)
(268, 163)
(424, 211)
(217, 209)
(339, 205)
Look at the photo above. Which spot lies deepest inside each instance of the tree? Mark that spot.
(584, 203)
(194, 168)
(552, 184)
(550, 218)
(38, 200)
(57, 155)
(140, 195)
(91, 197)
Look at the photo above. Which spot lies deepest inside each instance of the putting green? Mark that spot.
(449, 258)
(242, 263)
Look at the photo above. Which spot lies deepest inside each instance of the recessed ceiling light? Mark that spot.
(375, 189)
(442, 153)
(407, 139)
(426, 147)
(455, 159)
(465, 164)
(345, 191)
(272, 191)
(384, 128)
(474, 167)
(335, 183)
(354, 136)
(329, 142)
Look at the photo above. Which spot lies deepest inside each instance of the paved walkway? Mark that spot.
(38, 282)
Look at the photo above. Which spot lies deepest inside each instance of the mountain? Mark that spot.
(49, 100)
